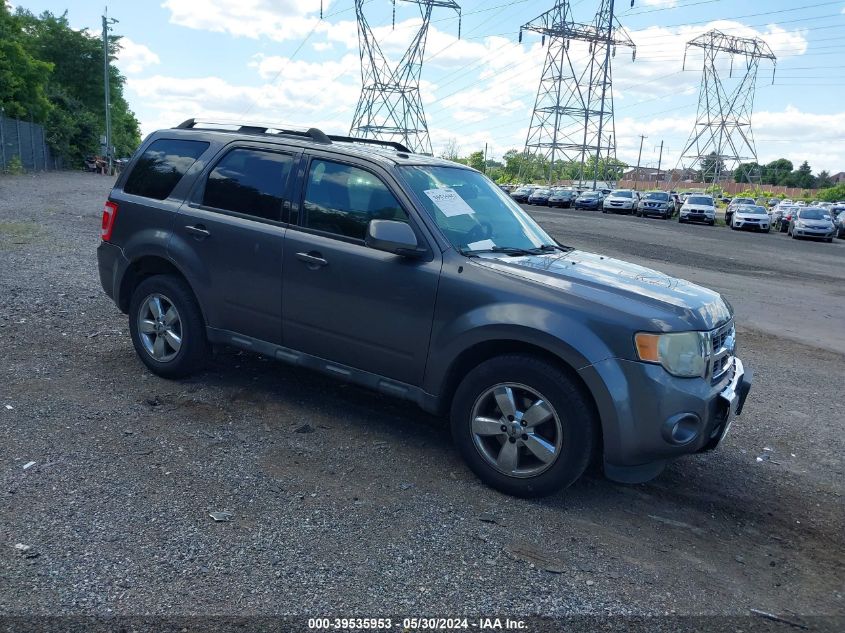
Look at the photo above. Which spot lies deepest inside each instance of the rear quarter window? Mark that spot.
(162, 165)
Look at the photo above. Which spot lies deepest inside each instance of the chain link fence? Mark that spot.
(23, 145)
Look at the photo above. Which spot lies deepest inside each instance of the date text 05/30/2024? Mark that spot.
(416, 624)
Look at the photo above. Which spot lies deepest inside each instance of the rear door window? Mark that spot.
(249, 181)
(162, 165)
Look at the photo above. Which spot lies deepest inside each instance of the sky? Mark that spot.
(276, 61)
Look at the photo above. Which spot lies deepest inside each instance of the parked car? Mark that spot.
(506, 188)
(620, 200)
(773, 202)
(656, 203)
(589, 200)
(753, 217)
(540, 196)
(812, 222)
(698, 208)
(521, 194)
(786, 216)
(562, 197)
(416, 277)
(733, 205)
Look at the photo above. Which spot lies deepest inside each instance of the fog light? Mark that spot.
(681, 429)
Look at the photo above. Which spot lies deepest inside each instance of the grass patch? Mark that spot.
(12, 233)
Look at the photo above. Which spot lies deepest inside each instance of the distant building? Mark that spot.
(838, 178)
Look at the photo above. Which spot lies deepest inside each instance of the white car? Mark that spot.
(698, 208)
(751, 217)
(624, 200)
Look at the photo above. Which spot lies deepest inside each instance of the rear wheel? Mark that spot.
(167, 327)
(523, 425)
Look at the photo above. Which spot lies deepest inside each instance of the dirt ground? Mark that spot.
(373, 512)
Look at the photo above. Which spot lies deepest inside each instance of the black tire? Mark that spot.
(712, 223)
(194, 350)
(681, 221)
(576, 415)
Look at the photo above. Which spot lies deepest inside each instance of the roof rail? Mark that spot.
(195, 124)
(260, 128)
(370, 141)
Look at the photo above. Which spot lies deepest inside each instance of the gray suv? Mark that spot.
(421, 279)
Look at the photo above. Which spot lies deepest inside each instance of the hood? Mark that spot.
(670, 303)
(751, 216)
(821, 224)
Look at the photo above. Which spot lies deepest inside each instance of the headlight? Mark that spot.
(799, 224)
(682, 354)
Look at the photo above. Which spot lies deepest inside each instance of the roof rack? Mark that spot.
(313, 133)
(370, 141)
(250, 128)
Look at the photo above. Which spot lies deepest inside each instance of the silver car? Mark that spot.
(752, 217)
(812, 222)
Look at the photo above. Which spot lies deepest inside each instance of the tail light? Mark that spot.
(109, 216)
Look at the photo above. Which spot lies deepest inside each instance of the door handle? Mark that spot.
(199, 231)
(313, 260)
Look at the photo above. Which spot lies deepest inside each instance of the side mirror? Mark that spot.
(394, 237)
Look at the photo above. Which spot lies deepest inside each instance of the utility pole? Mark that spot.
(106, 22)
(574, 106)
(659, 162)
(390, 107)
(484, 171)
(722, 133)
(639, 156)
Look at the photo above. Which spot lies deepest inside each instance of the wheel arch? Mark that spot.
(482, 351)
(147, 266)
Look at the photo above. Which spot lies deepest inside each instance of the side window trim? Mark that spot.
(196, 198)
(297, 221)
(127, 174)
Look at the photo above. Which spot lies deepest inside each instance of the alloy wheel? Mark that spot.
(160, 327)
(516, 430)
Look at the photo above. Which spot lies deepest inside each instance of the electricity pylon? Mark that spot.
(390, 107)
(722, 137)
(573, 112)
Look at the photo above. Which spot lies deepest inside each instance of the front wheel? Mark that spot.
(523, 425)
(167, 327)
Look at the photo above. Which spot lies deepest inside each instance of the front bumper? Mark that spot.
(694, 216)
(811, 232)
(650, 417)
(757, 226)
(654, 211)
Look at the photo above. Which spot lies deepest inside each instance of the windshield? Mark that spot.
(471, 212)
(542, 192)
(743, 201)
(708, 202)
(621, 194)
(813, 214)
(657, 195)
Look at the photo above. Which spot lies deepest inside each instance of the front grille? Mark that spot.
(723, 343)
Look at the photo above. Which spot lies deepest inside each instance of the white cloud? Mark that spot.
(277, 19)
(135, 58)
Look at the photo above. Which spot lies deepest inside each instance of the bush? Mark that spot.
(14, 166)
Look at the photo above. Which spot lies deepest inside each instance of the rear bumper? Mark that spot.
(112, 264)
(650, 417)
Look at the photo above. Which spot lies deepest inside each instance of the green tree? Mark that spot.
(23, 77)
(476, 160)
(804, 176)
(823, 180)
(712, 167)
(75, 86)
(748, 172)
(777, 172)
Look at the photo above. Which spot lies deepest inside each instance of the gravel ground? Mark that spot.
(373, 512)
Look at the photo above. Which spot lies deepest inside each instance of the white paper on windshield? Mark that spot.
(481, 245)
(449, 202)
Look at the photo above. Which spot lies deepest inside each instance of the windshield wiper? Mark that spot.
(516, 251)
(509, 250)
